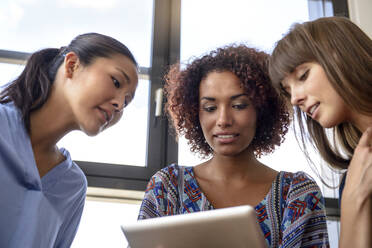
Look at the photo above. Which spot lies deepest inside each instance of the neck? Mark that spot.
(361, 121)
(239, 167)
(50, 123)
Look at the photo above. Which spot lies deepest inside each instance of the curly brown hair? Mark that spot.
(249, 65)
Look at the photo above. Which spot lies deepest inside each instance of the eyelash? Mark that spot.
(116, 82)
(236, 106)
(304, 75)
(126, 102)
(240, 106)
(284, 91)
(209, 109)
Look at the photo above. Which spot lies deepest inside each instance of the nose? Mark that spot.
(119, 103)
(117, 108)
(297, 96)
(224, 118)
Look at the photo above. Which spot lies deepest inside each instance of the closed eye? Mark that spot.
(240, 106)
(209, 108)
(303, 77)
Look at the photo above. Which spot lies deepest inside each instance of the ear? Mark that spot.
(71, 64)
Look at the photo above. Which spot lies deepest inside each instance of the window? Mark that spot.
(9, 72)
(44, 23)
(127, 155)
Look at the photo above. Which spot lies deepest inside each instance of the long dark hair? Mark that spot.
(31, 89)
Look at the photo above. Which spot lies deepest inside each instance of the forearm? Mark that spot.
(356, 223)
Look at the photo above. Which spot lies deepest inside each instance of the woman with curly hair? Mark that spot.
(225, 106)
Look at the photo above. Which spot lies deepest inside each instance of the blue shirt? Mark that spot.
(341, 188)
(35, 212)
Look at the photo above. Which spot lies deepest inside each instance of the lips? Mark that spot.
(310, 111)
(106, 114)
(225, 138)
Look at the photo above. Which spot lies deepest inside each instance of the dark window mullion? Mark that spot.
(166, 50)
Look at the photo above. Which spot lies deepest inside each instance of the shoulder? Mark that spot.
(9, 114)
(299, 189)
(301, 193)
(304, 219)
(73, 177)
(167, 176)
(161, 194)
(14, 139)
(167, 172)
(9, 108)
(12, 127)
(82, 182)
(298, 183)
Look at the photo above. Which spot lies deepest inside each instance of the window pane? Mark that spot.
(9, 72)
(185, 156)
(208, 24)
(333, 232)
(100, 224)
(123, 143)
(32, 25)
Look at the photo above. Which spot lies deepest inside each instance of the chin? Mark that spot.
(328, 124)
(229, 153)
(91, 131)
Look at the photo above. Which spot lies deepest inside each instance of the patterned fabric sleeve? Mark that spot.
(161, 194)
(304, 219)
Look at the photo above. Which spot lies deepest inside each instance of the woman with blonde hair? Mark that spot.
(324, 68)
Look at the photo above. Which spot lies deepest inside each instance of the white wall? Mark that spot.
(361, 14)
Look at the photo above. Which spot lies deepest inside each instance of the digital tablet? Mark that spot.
(235, 227)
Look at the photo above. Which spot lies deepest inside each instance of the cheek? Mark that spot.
(250, 118)
(204, 121)
(116, 119)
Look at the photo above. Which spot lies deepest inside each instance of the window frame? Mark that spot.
(162, 148)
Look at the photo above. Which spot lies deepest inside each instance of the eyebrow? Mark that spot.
(124, 74)
(232, 97)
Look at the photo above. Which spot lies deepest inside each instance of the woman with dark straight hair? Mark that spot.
(324, 68)
(84, 86)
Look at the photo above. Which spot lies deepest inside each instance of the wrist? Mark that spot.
(357, 214)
